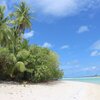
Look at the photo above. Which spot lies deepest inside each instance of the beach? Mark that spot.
(58, 90)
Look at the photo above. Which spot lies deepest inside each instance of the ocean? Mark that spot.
(95, 80)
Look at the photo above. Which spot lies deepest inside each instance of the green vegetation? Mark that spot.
(20, 61)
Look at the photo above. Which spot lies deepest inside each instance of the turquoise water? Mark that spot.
(85, 79)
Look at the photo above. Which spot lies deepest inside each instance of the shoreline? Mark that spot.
(57, 90)
(82, 77)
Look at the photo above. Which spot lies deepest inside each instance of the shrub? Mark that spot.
(19, 66)
(7, 61)
(42, 73)
(23, 55)
(46, 66)
(18, 71)
(53, 64)
(36, 64)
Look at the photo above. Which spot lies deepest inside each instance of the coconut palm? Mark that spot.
(23, 17)
(20, 20)
(5, 31)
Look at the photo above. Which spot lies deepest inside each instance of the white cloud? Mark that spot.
(89, 68)
(95, 53)
(74, 63)
(94, 67)
(59, 8)
(47, 45)
(29, 34)
(95, 48)
(96, 45)
(65, 47)
(63, 7)
(83, 29)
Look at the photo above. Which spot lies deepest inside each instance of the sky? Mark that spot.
(71, 28)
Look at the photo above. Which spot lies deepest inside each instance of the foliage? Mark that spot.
(5, 30)
(18, 60)
(46, 66)
(23, 55)
(20, 67)
(7, 61)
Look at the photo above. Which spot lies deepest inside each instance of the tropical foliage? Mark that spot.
(20, 61)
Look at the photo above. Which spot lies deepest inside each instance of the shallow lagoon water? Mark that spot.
(95, 80)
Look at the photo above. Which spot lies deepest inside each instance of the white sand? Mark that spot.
(61, 90)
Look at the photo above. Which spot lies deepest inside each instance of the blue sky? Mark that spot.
(69, 27)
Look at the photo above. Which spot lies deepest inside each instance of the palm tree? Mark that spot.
(12, 28)
(5, 31)
(23, 17)
(20, 21)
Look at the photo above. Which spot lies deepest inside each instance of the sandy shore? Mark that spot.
(60, 90)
